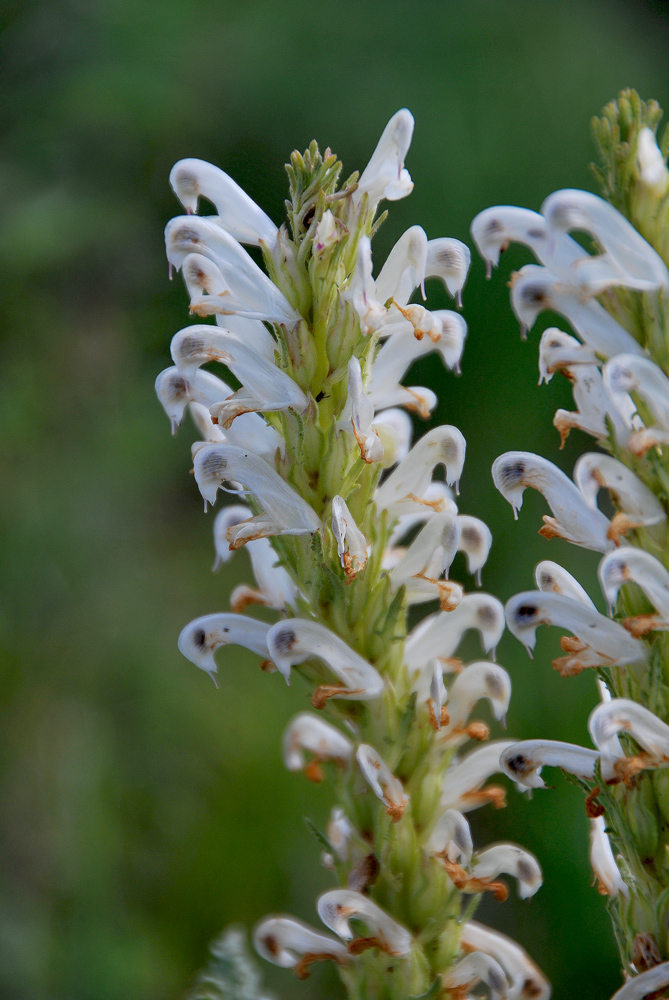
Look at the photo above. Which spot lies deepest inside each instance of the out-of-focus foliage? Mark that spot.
(141, 809)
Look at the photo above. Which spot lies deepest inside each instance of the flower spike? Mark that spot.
(382, 781)
(295, 640)
(193, 179)
(200, 639)
(307, 731)
(284, 511)
(337, 907)
(573, 518)
(291, 944)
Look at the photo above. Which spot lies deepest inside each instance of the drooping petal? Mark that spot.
(630, 565)
(449, 260)
(452, 838)
(192, 179)
(621, 715)
(337, 907)
(627, 373)
(494, 228)
(429, 555)
(639, 505)
(511, 860)
(475, 542)
(439, 635)
(478, 680)
(405, 486)
(200, 639)
(552, 578)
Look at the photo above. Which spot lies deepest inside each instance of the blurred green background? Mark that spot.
(141, 809)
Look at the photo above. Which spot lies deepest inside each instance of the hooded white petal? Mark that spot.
(526, 981)
(284, 511)
(621, 715)
(249, 291)
(523, 761)
(494, 228)
(284, 940)
(477, 967)
(627, 373)
(573, 518)
(429, 555)
(452, 837)
(607, 873)
(385, 175)
(200, 639)
(475, 542)
(649, 982)
(611, 644)
(461, 787)
(382, 781)
(297, 639)
(594, 471)
(395, 431)
(402, 491)
(404, 269)
(478, 680)
(449, 260)
(337, 907)
(630, 565)
(352, 546)
(553, 578)
(307, 731)
(513, 860)
(193, 179)
(439, 635)
(653, 171)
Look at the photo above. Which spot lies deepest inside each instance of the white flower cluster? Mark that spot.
(363, 334)
(622, 400)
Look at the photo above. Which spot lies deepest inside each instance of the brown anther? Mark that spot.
(563, 425)
(621, 523)
(551, 528)
(301, 970)
(494, 793)
(640, 625)
(437, 505)
(445, 717)
(449, 595)
(626, 768)
(243, 596)
(593, 809)
(361, 444)
(418, 407)
(570, 644)
(467, 883)
(324, 692)
(268, 666)
(569, 666)
(396, 810)
(358, 945)
(477, 731)
(313, 771)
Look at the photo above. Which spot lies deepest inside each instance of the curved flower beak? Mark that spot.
(478, 680)
(649, 983)
(452, 838)
(552, 578)
(296, 639)
(382, 781)
(291, 944)
(440, 635)
(385, 175)
(527, 982)
(627, 373)
(429, 555)
(337, 907)
(573, 519)
(475, 542)
(638, 505)
(407, 483)
(621, 715)
(193, 179)
(558, 350)
(200, 639)
(307, 731)
(494, 228)
(511, 860)
(449, 259)
(404, 269)
(522, 762)
(630, 565)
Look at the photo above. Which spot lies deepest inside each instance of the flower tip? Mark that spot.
(212, 674)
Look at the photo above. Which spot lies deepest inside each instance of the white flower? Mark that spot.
(429, 555)
(494, 228)
(627, 373)
(404, 269)
(337, 907)
(192, 179)
(449, 260)
(403, 490)
(551, 577)
(295, 640)
(653, 171)
(249, 291)
(462, 785)
(361, 291)
(645, 985)
(291, 944)
(284, 512)
(534, 289)
(526, 981)
(275, 588)
(382, 781)
(437, 497)
(573, 518)
(395, 431)
(385, 175)
(523, 761)
(511, 860)
(400, 351)
(362, 415)
(638, 505)
(440, 634)
(475, 542)
(475, 968)
(200, 639)
(307, 731)
(610, 881)
(621, 715)
(352, 546)
(452, 838)
(478, 680)
(264, 386)
(627, 259)
(630, 565)
(599, 641)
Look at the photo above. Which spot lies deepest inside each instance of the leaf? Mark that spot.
(318, 834)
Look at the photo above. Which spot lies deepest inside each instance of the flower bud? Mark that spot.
(382, 781)
(653, 172)
(452, 838)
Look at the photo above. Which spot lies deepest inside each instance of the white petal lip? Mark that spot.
(200, 639)
(630, 565)
(452, 836)
(337, 907)
(283, 940)
(296, 639)
(627, 250)
(531, 608)
(642, 986)
(284, 511)
(627, 373)
(449, 259)
(536, 288)
(576, 521)
(523, 761)
(252, 293)
(527, 982)
(551, 577)
(620, 715)
(237, 213)
(558, 349)
(307, 731)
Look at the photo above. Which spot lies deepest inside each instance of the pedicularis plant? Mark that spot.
(347, 525)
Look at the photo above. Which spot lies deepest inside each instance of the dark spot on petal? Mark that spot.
(518, 764)
(199, 637)
(285, 639)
